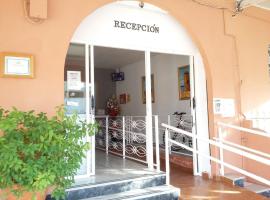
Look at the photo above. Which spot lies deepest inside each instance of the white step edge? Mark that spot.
(234, 177)
(255, 187)
(139, 193)
(91, 185)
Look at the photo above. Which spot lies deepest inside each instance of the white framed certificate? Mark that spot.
(17, 65)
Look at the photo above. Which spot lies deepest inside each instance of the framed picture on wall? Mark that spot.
(16, 65)
(123, 98)
(184, 82)
(144, 89)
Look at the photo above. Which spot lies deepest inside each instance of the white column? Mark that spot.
(221, 151)
(124, 137)
(92, 94)
(169, 123)
(149, 130)
(167, 157)
(193, 113)
(107, 134)
(87, 98)
(157, 142)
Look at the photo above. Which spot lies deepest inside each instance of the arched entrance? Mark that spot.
(126, 25)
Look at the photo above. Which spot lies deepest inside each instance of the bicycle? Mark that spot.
(183, 125)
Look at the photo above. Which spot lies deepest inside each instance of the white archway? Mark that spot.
(123, 24)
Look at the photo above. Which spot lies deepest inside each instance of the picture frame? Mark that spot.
(184, 82)
(123, 98)
(144, 89)
(16, 65)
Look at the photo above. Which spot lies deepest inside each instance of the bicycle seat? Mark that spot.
(181, 113)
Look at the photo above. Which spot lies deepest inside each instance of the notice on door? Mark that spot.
(74, 80)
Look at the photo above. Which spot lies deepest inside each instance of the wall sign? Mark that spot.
(16, 65)
(74, 80)
(136, 27)
(224, 107)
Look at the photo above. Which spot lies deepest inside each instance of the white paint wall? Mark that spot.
(164, 68)
(98, 29)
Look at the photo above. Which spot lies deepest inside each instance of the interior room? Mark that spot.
(119, 82)
(168, 82)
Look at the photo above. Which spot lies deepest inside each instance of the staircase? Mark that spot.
(240, 181)
(150, 187)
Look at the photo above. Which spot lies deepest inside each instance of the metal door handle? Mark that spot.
(92, 102)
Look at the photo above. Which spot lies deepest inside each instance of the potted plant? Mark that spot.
(38, 152)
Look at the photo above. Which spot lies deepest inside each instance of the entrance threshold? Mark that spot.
(118, 178)
(110, 168)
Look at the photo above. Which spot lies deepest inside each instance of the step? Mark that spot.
(113, 187)
(151, 193)
(257, 188)
(235, 179)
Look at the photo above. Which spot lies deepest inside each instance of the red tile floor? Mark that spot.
(196, 188)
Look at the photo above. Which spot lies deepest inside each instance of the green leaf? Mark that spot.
(37, 151)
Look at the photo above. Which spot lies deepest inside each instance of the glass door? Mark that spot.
(79, 96)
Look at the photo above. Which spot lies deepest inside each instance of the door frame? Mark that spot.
(90, 110)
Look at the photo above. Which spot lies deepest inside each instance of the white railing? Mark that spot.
(125, 136)
(222, 146)
(260, 120)
(251, 131)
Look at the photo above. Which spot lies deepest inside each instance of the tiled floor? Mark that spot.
(111, 167)
(196, 188)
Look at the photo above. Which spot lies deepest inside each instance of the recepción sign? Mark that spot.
(136, 26)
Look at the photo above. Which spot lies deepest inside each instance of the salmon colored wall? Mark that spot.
(252, 42)
(258, 143)
(225, 54)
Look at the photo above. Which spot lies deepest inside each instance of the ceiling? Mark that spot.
(106, 58)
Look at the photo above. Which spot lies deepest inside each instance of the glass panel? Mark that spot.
(173, 93)
(75, 80)
(75, 87)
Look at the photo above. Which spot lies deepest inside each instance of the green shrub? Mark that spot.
(37, 152)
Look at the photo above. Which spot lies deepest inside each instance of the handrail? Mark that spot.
(243, 147)
(251, 175)
(262, 118)
(120, 116)
(226, 147)
(244, 129)
(218, 144)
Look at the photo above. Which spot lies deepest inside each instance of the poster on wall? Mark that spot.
(184, 82)
(74, 80)
(144, 89)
